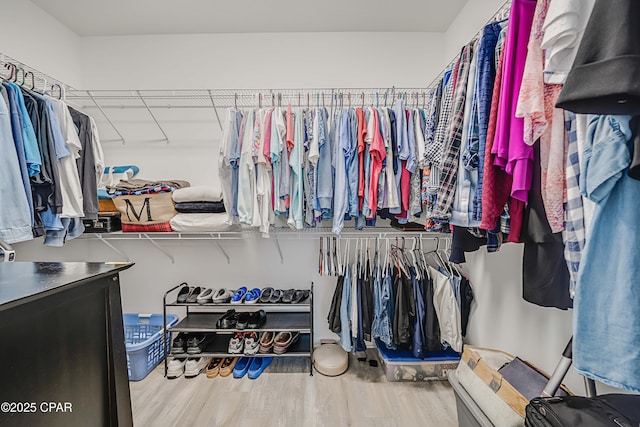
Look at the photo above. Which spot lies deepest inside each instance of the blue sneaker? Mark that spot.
(253, 296)
(239, 295)
(242, 367)
(258, 366)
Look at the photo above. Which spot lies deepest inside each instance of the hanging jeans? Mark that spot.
(418, 323)
(345, 307)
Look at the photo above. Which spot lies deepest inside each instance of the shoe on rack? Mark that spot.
(228, 363)
(287, 297)
(242, 367)
(276, 296)
(179, 345)
(194, 366)
(252, 296)
(266, 342)
(251, 344)
(238, 296)
(258, 366)
(257, 319)
(222, 296)
(283, 341)
(175, 368)
(205, 296)
(213, 368)
(184, 293)
(243, 320)
(299, 296)
(197, 343)
(193, 296)
(236, 343)
(265, 295)
(228, 320)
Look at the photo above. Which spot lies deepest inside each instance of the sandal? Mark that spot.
(227, 366)
(288, 296)
(243, 320)
(239, 295)
(252, 296)
(213, 368)
(257, 319)
(297, 297)
(276, 296)
(266, 295)
(228, 320)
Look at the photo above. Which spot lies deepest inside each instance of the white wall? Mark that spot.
(474, 15)
(32, 36)
(285, 60)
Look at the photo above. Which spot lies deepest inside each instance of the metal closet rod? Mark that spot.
(30, 75)
(150, 100)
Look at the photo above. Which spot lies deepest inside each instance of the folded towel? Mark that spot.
(185, 222)
(142, 184)
(198, 193)
(200, 207)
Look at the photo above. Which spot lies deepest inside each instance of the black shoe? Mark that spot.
(198, 342)
(228, 320)
(179, 345)
(243, 320)
(257, 319)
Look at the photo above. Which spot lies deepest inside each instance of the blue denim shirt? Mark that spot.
(352, 164)
(325, 171)
(341, 188)
(606, 317)
(486, 80)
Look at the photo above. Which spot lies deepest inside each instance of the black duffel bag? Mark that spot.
(615, 410)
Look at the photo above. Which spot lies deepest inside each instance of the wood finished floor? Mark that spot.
(286, 395)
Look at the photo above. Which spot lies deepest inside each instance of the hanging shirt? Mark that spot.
(606, 317)
(86, 163)
(447, 310)
(391, 189)
(341, 189)
(325, 169)
(225, 168)
(296, 213)
(263, 171)
(247, 197)
(32, 154)
(72, 198)
(378, 154)
(353, 175)
(362, 132)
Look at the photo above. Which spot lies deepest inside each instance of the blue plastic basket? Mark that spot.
(143, 338)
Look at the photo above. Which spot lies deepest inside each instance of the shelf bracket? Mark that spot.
(277, 243)
(166, 138)
(113, 248)
(223, 252)
(215, 109)
(158, 247)
(106, 117)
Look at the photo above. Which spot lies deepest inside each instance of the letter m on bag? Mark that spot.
(131, 210)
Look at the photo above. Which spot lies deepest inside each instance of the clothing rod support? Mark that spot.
(215, 109)
(167, 254)
(113, 248)
(106, 117)
(223, 252)
(166, 138)
(277, 243)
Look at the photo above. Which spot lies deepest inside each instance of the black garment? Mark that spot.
(404, 311)
(431, 324)
(367, 303)
(545, 276)
(200, 207)
(359, 344)
(464, 241)
(418, 324)
(634, 168)
(333, 317)
(604, 76)
(46, 188)
(394, 145)
(86, 165)
(466, 296)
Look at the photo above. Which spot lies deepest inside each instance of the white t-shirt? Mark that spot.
(70, 187)
(563, 30)
(96, 146)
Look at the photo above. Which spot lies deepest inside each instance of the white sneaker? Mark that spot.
(194, 366)
(175, 368)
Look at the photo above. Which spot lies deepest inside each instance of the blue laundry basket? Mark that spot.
(143, 338)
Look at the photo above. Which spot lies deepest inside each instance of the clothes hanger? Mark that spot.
(12, 68)
(320, 259)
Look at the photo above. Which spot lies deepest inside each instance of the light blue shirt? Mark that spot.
(325, 171)
(32, 153)
(295, 161)
(607, 299)
(341, 190)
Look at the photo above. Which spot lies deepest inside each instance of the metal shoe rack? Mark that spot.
(202, 318)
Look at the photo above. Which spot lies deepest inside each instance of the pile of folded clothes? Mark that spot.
(200, 209)
(145, 206)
